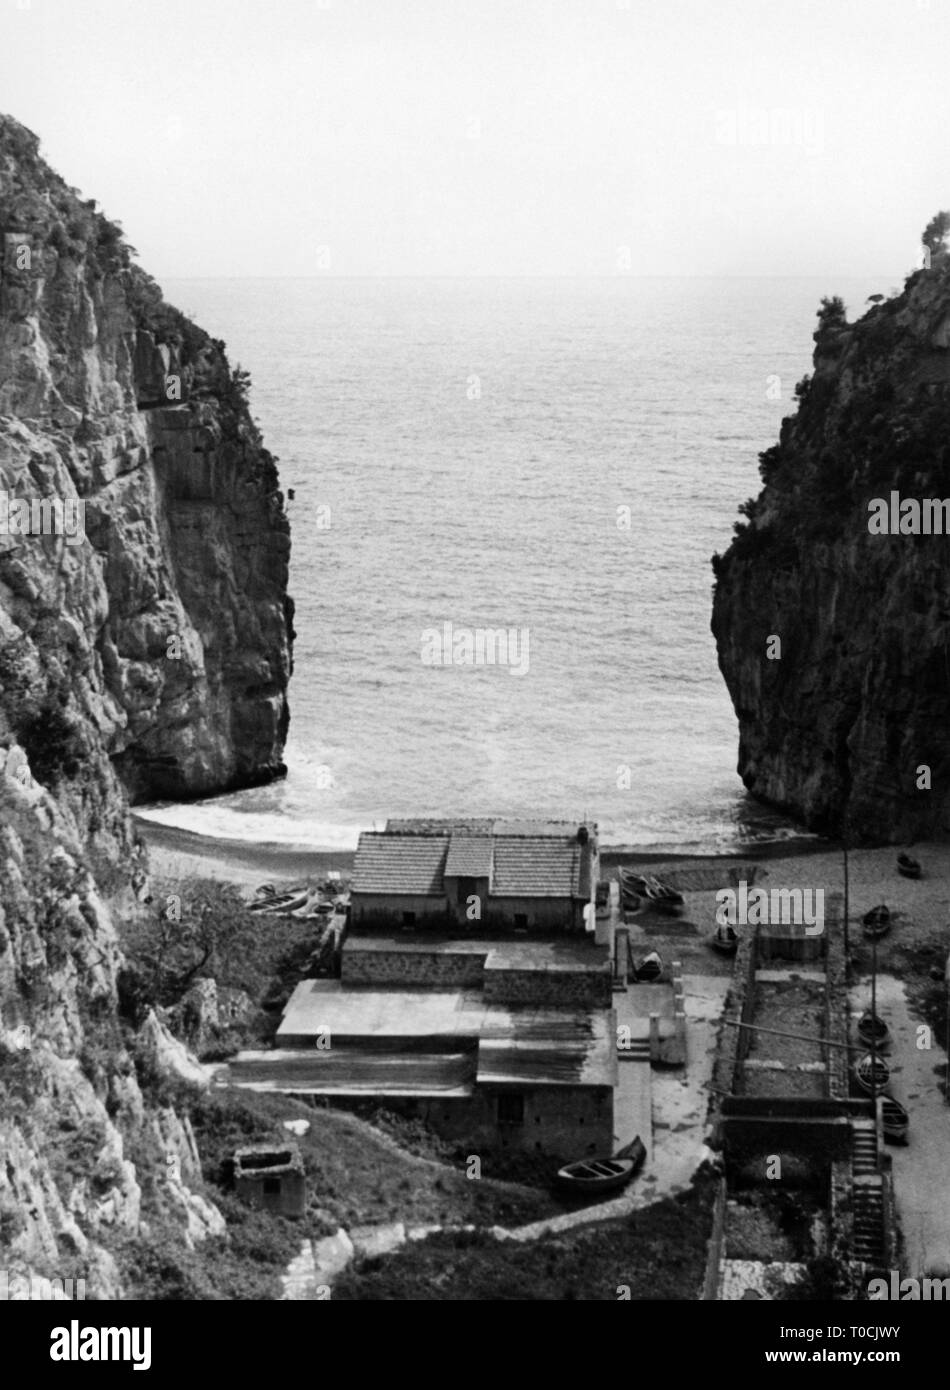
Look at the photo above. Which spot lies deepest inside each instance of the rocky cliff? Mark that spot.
(145, 650)
(847, 721)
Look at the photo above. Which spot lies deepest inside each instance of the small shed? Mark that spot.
(271, 1178)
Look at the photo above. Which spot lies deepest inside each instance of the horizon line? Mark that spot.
(759, 275)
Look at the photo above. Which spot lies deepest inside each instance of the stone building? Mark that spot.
(476, 875)
(499, 1030)
(271, 1178)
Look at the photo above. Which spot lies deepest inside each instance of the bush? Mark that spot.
(53, 745)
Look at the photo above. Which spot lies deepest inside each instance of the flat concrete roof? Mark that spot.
(556, 1046)
(348, 1071)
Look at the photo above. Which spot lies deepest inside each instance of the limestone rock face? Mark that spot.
(854, 718)
(145, 650)
(154, 642)
(74, 1125)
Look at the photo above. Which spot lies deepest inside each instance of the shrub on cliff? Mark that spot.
(935, 235)
(202, 929)
(53, 744)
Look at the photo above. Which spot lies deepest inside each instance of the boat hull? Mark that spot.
(594, 1176)
(872, 1075)
(725, 948)
(871, 1037)
(895, 1121)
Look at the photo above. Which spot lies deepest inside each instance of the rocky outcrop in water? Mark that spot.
(145, 650)
(850, 725)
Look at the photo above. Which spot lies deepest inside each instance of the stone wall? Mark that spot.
(379, 912)
(581, 987)
(563, 1122)
(438, 969)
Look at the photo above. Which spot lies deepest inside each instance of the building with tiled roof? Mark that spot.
(476, 989)
(476, 874)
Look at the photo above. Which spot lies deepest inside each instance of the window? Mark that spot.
(409, 919)
(521, 921)
(511, 1109)
(272, 1187)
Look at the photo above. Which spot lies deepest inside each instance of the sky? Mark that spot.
(494, 137)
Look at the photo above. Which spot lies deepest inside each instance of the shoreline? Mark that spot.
(175, 853)
(178, 853)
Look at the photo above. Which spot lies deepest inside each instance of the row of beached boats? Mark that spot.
(305, 903)
(639, 889)
(873, 1075)
(871, 1072)
(876, 923)
(649, 890)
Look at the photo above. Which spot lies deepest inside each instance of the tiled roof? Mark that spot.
(469, 857)
(518, 865)
(400, 864)
(535, 866)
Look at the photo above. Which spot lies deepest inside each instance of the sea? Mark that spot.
(558, 458)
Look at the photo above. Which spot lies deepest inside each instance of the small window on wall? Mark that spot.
(409, 919)
(521, 921)
(511, 1110)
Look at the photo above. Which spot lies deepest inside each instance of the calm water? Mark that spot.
(473, 441)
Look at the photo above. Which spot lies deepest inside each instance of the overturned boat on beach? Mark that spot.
(725, 939)
(649, 969)
(873, 1031)
(655, 891)
(877, 922)
(909, 867)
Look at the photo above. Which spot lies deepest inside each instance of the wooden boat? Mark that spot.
(313, 909)
(873, 1031)
(725, 939)
(662, 896)
(649, 968)
(636, 1150)
(907, 866)
(895, 1120)
(877, 922)
(280, 903)
(594, 1176)
(657, 893)
(872, 1074)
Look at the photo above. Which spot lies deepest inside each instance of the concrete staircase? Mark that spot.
(868, 1204)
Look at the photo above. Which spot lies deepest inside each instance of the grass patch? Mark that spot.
(659, 1252)
(357, 1174)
